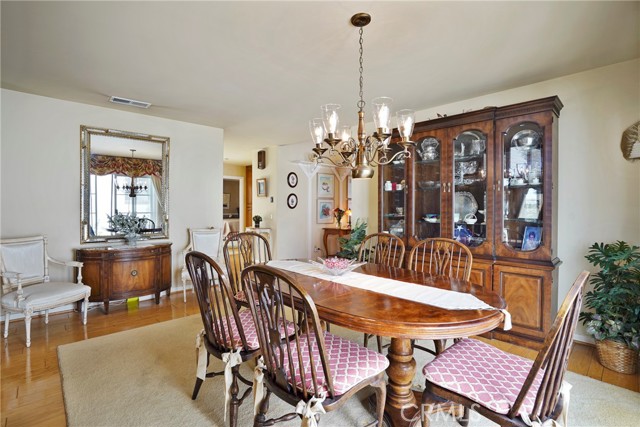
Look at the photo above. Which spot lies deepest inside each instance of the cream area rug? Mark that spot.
(145, 377)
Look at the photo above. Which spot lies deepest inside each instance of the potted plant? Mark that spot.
(257, 219)
(350, 246)
(614, 303)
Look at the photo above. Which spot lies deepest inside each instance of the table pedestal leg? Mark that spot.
(402, 407)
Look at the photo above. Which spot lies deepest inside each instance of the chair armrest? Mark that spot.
(76, 264)
(17, 281)
(67, 263)
(10, 274)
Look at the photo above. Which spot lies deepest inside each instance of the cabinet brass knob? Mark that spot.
(134, 273)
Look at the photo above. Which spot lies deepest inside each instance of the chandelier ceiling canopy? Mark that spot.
(333, 142)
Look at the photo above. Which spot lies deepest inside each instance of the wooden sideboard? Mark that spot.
(120, 272)
(330, 239)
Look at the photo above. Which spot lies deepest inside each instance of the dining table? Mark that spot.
(344, 301)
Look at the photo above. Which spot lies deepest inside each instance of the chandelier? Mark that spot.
(132, 188)
(334, 144)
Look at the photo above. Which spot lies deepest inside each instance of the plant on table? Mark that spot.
(257, 219)
(129, 225)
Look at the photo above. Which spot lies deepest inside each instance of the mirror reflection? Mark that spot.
(123, 173)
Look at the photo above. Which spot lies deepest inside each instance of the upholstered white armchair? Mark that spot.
(26, 288)
(205, 240)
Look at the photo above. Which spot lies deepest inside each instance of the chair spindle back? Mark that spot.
(382, 248)
(242, 250)
(218, 309)
(441, 257)
(554, 355)
(271, 293)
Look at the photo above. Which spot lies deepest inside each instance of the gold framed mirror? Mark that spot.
(127, 173)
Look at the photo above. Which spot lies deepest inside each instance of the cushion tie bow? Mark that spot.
(258, 386)
(309, 410)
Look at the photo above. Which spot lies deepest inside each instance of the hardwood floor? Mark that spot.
(31, 388)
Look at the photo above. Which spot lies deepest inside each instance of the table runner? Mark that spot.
(450, 300)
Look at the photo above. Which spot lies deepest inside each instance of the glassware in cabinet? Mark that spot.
(427, 187)
(523, 189)
(470, 165)
(392, 198)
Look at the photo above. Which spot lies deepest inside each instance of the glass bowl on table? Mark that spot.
(336, 266)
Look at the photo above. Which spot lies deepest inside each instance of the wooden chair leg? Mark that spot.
(196, 388)
(261, 416)
(464, 419)
(234, 404)
(379, 340)
(381, 396)
(366, 339)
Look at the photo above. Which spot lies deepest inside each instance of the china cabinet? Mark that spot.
(486, 178)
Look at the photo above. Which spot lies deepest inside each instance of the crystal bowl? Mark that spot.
(336, 266)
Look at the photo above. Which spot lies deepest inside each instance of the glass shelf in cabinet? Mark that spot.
(428, 162)
(523, 220)
(467, 158)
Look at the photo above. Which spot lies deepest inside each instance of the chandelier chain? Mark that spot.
(361, 103)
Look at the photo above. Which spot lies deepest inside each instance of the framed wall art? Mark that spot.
(326, 185)
(261, 187)
(325, 212)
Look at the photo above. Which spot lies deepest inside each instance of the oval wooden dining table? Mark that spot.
(403, 321)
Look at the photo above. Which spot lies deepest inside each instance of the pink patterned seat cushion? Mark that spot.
(484, 374)
(349, 363)
(250, 333)
(241, 297)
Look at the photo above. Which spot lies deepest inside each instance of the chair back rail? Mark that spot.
(218, 309)
(441, 256)
(271, 296)
(554, 356)
(382, 248)
(242, 250)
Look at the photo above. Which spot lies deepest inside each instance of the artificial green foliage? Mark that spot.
(349, 246)
(257, 219)
(614, 302)
(127, 224)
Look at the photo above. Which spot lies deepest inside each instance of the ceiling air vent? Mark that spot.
(130, 102)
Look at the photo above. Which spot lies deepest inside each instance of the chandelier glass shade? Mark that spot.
(334, 143)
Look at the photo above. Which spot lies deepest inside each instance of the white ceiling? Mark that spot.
(260, 70)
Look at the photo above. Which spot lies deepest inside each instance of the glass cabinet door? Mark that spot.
(522, 186)
(427, 187)
(470, 149)
(392, 196)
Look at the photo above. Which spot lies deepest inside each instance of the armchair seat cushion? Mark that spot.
(45, 294)
(349, 363)
(484, 374)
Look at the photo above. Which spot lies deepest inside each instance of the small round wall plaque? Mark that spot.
(292, 179)
(292, 201)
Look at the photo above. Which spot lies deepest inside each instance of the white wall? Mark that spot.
(40, 177)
